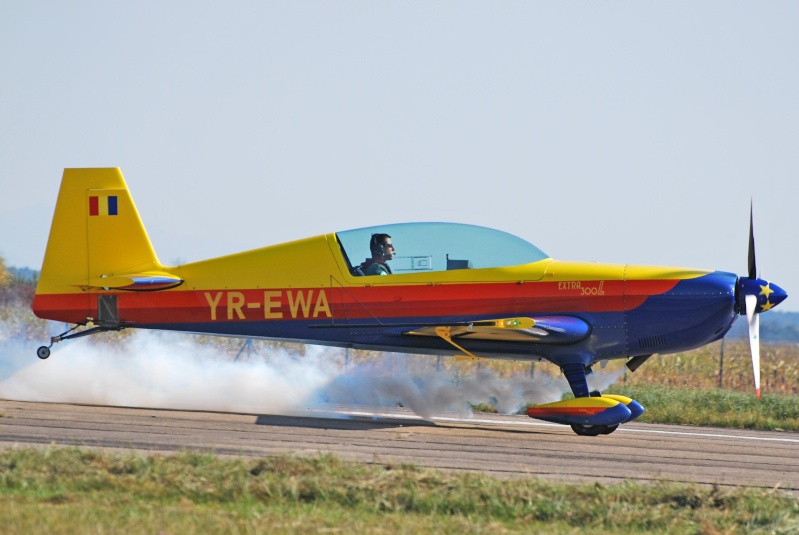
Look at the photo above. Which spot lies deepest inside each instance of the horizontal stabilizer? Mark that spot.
(136, 282)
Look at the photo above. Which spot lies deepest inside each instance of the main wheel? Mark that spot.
(587, 430)
(593, 430)
(43, 352)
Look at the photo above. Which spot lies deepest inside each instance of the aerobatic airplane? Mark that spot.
(454, 289)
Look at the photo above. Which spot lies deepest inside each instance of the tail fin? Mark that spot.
(97, 239)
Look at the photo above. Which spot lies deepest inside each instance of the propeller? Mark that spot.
(755, 296)
(752, 262)
(753, 319)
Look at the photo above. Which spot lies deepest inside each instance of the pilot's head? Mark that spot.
(381, 247)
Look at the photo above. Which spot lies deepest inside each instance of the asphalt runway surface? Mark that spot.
(505, 446)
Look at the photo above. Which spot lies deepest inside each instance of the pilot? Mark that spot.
(382, 251)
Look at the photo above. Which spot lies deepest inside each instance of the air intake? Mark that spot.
(651, 342)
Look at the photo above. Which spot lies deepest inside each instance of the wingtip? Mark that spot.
(757, 391)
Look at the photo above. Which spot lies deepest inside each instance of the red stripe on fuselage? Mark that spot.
(417, 301)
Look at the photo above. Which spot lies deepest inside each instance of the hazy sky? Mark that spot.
(629, 132)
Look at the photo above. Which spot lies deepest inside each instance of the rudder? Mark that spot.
(96, 233)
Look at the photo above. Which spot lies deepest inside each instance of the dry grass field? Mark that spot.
(699, 368)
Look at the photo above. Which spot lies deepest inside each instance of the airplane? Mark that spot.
(457, 289)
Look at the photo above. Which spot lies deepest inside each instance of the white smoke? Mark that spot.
(163, 370)
(439, 392)
(602, 380)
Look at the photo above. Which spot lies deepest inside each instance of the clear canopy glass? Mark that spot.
(441, 246)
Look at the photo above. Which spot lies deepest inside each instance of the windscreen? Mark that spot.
(441, 247)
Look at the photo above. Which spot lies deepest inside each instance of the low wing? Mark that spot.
(543, 330)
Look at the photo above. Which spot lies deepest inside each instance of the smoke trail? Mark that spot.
(165, 370)
(439, 392)
(602, 380)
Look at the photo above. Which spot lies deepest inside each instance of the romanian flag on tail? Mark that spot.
(103, 205)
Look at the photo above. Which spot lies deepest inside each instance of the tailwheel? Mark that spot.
(44, 351)
(593, 430)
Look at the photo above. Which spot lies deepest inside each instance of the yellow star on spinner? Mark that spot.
(766, 290)
(767, 306)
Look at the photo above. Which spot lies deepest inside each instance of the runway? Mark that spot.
(505, 446)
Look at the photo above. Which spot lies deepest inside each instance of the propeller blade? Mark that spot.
(753, 319)
(752, 263)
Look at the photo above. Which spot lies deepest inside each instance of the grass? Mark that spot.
(713, 407)
(700, 368)
(67, 490)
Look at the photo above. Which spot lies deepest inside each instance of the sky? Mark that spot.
(621, 132)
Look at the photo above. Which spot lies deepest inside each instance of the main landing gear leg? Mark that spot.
(576, 375)
(44, 351)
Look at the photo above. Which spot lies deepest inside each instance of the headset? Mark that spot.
(376, 246)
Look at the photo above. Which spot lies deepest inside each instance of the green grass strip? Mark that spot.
(67, 490)
(718, 408)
